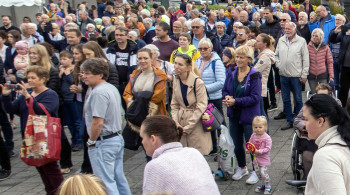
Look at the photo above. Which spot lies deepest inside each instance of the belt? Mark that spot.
(108, 136)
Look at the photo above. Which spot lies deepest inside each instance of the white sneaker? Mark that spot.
(240, 173)
(253, 179)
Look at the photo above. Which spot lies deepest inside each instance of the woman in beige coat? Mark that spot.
(188, 104)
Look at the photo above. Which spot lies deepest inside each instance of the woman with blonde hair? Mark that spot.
(83, 184)
(242, 93)
(265, 44)
(188, 103)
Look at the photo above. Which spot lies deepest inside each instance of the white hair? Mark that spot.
(145, 12)
(72, 24)
(305, 14)
(287, 15)
(341, 17)
(133, 33)
(188, 24)
(238, 24)
(106, 18)
(249, 7)
(221, 24)
(292, 24)
(121, 18)
(90, 25)
(153, 48)
(255, 15)
(23, 26)
(319, 32)
(148, 21)
(34, 25)
(201, 22)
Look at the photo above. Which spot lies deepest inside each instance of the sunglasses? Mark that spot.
(283, 20)
(203, 48)
(240, 34)
(196, 27)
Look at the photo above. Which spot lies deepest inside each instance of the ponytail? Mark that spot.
(195, 69)
(344, 125)
(272, 43)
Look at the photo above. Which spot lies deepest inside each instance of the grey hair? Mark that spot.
(195, 12)
(53, 25)
(341, 16)
(201, 22)
(188, 24)
(72, 24)
(289, 3)
(319, 32)
(221, 24)
(249, 7)
(148, 21)
(287, 15)
(35, 26)
(238, 23)
(84, 12)
(136, 31)
(255, 15)
(105, 17)
(153, 48)
(146, 12)
(305, 14)
(70, 17)
(292, 24)
(23, 26)
(206, 41)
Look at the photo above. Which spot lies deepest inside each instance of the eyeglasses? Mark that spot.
(240, 34)
(203, 48)
(283, 20)
(196, 27)
(176, 26)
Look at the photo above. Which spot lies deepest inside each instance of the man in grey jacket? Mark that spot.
(292, 59)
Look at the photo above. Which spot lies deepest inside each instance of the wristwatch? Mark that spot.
(90, 143)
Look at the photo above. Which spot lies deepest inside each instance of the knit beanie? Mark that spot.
(23, 45)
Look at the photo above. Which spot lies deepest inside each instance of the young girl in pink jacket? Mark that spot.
(262, 141)
(21, 61)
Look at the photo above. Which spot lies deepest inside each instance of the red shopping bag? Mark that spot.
(42, 138)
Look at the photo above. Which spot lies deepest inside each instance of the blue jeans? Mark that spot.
(337, 71)
(237, 132)
(73, 121)
(107, 163)
(80, 108)
(291, 84)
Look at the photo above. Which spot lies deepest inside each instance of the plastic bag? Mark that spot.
(226, 155)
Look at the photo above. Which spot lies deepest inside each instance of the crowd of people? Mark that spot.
(158, 69)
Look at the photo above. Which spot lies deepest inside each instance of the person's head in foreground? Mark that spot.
(83, 184)
(322, 112)
(157, 131)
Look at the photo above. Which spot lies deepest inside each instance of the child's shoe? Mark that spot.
(253, 179)
(240, 173)
(268, 190)
(260, 188)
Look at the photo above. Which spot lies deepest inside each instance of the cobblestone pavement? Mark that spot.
(25, 180)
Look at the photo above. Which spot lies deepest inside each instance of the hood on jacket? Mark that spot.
(275, 20)
(133, 45)
(270, 54)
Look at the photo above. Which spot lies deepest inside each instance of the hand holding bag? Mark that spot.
(42, 138)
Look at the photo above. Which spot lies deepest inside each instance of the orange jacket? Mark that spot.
(159, 89)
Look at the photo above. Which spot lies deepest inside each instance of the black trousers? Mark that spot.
(86, 166)
(218, 104)
(344, 85)
(4, 156)
(66, 152)
(271, 81)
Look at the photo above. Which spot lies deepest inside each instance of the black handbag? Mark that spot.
(131, 138)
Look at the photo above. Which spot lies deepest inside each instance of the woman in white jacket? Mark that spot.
(329, 124)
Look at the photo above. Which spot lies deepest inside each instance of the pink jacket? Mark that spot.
(263, 144)
(21, 62)
(318, 60)
(178, 170)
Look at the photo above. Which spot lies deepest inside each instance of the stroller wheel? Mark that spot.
(226, 176)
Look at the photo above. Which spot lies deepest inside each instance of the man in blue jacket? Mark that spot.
(326, 21)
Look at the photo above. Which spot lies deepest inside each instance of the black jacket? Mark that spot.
(229, 30)
(271, 28)
(344, 43)
(225, 41)
(214, 40)
(54, 80)
(149, 36)
(305, 33)
(113, 77)
(8, 62)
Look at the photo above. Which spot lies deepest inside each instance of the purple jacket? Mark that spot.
(250, 103)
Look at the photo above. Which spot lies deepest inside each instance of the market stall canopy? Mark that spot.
(19, 3)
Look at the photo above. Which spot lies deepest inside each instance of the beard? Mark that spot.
(302, 22)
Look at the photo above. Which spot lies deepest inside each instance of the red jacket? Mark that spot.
(294, 11)
(319, 59)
